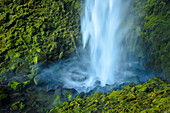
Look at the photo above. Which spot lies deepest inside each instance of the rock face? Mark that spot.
(32, 31)
(151, 37)
(152, 96)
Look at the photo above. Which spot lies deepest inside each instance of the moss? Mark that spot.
(17, 106)
(26, 83)
(56, 100)
(126, 100)
(60, 55)
(35, 33)
(37, 78)
(15, 85)
(114, 95)
(42, 111)
(152, 41)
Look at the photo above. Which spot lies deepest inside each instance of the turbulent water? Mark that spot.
(105, 61)
(104, 25)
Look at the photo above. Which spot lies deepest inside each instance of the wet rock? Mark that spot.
(52, 88)
(69, 91)
(97, 83)
(58, 91)
(18, 78)
(31, 89)
(133, 79)
(68, 94)
(16, 95)
(44, 78)
(111, 87)
(78, 77)
(98, 89)
(81, 95)
(22, 70)
(62, 95)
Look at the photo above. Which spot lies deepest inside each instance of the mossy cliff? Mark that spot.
(151, 33)
(152, 96)
(32, 31)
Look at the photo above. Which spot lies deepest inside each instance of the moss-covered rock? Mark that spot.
(151, 33)
(132, 98)
(17, 106)
(34, 31)
(17, 86)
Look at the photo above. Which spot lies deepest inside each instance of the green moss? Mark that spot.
(56, 100)
(60, 55)
(42, 111)
(34, 33)
(37, 78)
(15, 85)
(152, 17)
(69, 97)
(131, 99)
(26, 83)
(17, 106)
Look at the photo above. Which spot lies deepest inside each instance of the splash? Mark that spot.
(104, 25)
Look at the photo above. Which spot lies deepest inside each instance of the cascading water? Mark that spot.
(104, 26)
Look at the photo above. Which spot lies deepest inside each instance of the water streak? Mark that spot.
(104, 26)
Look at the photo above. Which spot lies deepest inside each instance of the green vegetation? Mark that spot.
(35, 31)
(152, 25)
(17, 106)
(152, 96)
(56, 100)
(17, 86)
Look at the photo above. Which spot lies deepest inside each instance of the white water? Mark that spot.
(104, 25)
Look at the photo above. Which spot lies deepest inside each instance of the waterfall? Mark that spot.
(106, 35)
(104, 25)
